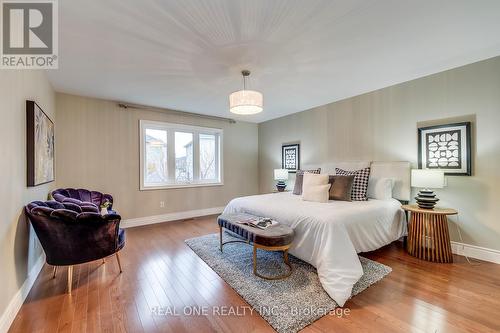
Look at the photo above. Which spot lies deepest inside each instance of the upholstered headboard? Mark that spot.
(399, 171)
(329, 168)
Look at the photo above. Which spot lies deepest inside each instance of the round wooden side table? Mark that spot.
(428, 236)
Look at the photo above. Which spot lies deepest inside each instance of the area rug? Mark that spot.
(287, 305)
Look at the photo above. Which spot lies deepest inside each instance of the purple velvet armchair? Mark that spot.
(83, 197)
(71, 234)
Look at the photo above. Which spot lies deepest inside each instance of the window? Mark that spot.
(174, 155)
(156, 156)
(208, 158)
(183, 157)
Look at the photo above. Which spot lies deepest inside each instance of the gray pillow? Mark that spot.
(299, 179)
(341, 187)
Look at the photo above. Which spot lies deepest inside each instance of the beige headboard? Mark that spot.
(400, 172)
(329, 168)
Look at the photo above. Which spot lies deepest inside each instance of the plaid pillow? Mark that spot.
(299, 179)
(360, 185)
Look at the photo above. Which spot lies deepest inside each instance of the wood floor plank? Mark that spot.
(161, 272)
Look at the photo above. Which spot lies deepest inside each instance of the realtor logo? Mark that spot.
(29, 34)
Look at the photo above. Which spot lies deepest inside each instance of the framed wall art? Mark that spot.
(40, 145)
(290, 157)
(446, 147)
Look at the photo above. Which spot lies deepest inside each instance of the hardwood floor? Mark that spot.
(159, 270)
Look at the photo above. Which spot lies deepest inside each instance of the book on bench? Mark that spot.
(258, 222)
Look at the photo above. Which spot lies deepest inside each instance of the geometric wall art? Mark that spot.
(290, 157)
(39, 145)
(446, 147)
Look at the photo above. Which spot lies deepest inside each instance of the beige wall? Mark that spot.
(18, 248)
(98, 148)
(382, 125)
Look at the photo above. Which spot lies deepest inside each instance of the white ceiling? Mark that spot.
(187, 55)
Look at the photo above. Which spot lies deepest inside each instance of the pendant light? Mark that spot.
(246, 102)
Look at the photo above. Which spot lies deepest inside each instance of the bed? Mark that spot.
(329, 235)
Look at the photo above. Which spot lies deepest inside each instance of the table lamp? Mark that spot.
(427, 179)
(281, 175)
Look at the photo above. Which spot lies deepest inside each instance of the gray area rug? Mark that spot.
(287, 305)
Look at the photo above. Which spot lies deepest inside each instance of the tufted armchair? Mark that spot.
(83, 197)
(72, 235)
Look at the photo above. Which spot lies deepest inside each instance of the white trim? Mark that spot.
(179, 185)
(17, 301)
(476, 252)
(129, 223)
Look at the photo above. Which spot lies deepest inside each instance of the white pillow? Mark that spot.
(316, 193)
(380, 188)
(315, 187)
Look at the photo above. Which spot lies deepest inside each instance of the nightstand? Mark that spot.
(428, 236)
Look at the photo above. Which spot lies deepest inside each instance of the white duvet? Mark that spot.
(329, 235)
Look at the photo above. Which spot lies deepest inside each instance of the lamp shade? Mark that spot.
(425, 178)
(246, 102)
(280, 174)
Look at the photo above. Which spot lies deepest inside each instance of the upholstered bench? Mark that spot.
(274, 238)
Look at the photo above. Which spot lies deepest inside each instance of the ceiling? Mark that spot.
(187, 55)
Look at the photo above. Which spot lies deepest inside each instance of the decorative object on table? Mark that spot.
(71, 236)
(301, 292)
(84, 198)
(281, 175)
(299, 179)
(278, 237)
(446, 147)
(360, 185)
(428, 236)
(427, 180)
(40, 145)
(290, 157)
(246, 102)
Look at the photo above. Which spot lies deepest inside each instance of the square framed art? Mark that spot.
(446, 147)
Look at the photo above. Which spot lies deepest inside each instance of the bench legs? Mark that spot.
(220, 238)
(233, 241)
(283, 248)
(272, 248)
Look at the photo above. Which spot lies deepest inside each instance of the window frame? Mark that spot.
(171, 128)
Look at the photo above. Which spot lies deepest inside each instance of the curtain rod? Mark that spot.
(181, 113)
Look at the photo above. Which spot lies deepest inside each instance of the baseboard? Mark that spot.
(17, 301)
(476, 252)
(129, 223)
